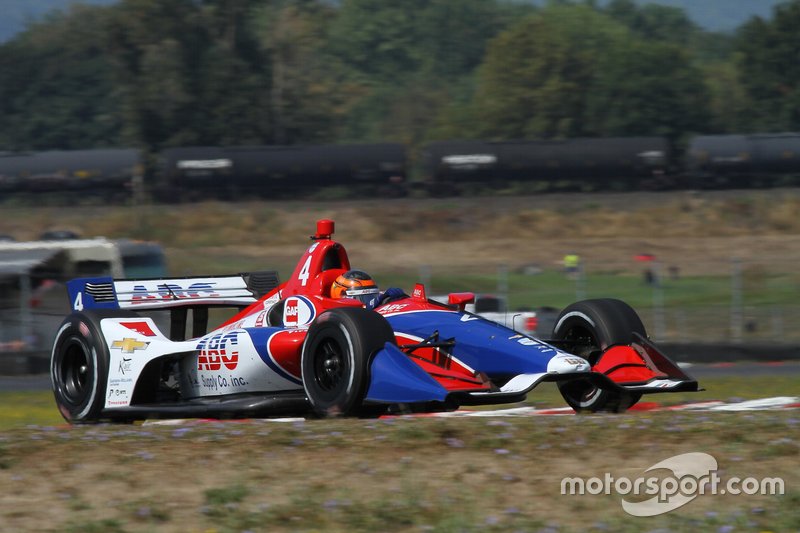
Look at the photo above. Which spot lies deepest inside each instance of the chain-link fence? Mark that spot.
(714, 301)
(732, 301)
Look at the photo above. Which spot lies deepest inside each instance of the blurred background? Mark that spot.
(535, 152)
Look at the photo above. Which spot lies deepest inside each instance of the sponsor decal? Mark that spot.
(222, 382)
(128, 345)
(217, 351)
(544, 348)
(298, 311)
(117, 397)
(272, 300)
(525, 341)
(142, 328)
(125, 365)
(84, 329)
(291, 312)
(392, 308)
(235, 325)
(118, 388)
(260, 319)
(173, 291)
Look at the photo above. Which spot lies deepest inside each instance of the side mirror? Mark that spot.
(460, 299)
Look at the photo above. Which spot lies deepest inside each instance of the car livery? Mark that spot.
(291, 348)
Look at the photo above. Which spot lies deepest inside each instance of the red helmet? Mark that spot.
(354, 284)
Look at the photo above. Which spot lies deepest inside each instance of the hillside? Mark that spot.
(692, 229)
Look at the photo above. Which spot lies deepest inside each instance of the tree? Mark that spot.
(645, 88)
(572, 71)
(653, 21)
(55, 90)
(408, 60)
(767, 60)
(535, 79)
(155, 46)
(306, 98)
(729, 104)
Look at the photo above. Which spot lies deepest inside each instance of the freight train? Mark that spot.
(626, 163)
(440, 168)
(98, 172)
(269, 171)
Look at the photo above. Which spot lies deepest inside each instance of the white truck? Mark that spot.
(495, 308)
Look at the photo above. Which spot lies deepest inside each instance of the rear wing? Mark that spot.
(108, 293)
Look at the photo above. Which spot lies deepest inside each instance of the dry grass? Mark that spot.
(394, 475)
(687, 228)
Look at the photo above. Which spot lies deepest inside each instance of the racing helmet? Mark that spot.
(355, 284)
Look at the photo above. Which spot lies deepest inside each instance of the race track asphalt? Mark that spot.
(41, 382)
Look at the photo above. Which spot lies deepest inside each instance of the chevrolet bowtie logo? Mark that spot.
(129, 345)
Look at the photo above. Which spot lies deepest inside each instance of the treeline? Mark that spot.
(161, 73)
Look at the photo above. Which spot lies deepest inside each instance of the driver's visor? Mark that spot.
(362, 295)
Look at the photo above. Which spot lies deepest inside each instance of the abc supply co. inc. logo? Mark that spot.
(691, 475)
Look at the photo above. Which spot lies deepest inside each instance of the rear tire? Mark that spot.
(335, 361)
(79, 366)
(592, 326)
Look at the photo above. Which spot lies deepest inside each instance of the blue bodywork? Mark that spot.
(394, 378)
(483, 345)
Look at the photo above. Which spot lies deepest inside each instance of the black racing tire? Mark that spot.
(337, 352)
(79, 365)
(590, 327)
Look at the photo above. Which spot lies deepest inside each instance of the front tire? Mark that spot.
(335, 360)
(588, 328)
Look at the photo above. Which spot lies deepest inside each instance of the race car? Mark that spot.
(290, 348)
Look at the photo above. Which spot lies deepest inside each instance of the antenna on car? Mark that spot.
(324, 230)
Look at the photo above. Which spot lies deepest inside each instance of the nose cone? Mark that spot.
(567, 364)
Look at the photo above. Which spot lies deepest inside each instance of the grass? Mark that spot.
(18, 409)
(553, 289)
(37, 408)
(695, 308)
(403, 474)
(397, 474)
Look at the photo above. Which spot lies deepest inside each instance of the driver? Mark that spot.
(358, 285)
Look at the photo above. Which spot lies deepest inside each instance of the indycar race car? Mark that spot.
(292, 349)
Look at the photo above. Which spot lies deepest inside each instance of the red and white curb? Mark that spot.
(761, 404)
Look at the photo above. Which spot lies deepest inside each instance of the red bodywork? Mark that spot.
(312, 278)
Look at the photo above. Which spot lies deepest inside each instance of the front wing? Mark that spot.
(396, 379)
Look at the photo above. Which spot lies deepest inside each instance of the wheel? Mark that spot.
(79, 366)
(591, 326)
(336, 357)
